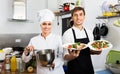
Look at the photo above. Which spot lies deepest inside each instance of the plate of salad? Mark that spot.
(99, 45)
(75, 46)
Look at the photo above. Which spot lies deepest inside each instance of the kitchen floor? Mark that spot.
(104, 72)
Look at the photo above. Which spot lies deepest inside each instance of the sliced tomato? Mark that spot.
(69, 46)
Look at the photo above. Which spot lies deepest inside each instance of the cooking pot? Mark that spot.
(103, 30)
(45, 57)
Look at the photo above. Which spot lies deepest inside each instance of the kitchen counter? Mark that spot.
(25, 72)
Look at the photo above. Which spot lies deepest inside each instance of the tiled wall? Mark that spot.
(15, 40)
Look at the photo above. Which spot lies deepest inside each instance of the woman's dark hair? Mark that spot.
(77, 9)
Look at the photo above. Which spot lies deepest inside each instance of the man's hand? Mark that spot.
(95, 52)
(74, 53)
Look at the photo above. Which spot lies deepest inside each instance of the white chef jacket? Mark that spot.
(52, 41)
(69, 38)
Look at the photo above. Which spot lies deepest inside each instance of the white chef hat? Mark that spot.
(45, 15)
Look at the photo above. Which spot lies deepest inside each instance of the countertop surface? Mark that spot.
(4, 72)
(25, 72)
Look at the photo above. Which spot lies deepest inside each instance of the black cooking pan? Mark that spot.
(103, 30)
(96, 32)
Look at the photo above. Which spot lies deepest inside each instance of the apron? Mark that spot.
(82, 64)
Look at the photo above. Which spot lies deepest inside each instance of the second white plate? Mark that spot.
(99, 49)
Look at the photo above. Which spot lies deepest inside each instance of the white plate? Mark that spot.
(92, 48)
(67, 44)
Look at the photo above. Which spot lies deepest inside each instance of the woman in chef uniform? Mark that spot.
(46, 40)
(79, 62)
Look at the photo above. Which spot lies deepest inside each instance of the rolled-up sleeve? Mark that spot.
(28, 57)
(67, 38)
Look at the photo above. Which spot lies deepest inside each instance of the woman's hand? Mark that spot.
(28, 49)
(52, 65)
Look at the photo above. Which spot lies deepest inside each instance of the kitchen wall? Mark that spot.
(15, 40)
(93, 9)
(9, 26)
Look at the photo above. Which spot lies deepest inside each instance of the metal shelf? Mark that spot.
(21, 20)
(106, 17)
(62, 13)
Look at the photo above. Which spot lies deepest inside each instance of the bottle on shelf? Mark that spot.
(77, 3)
(13, 65)
(21, 65)
(18, 58)
(2, 57)
(7, 62)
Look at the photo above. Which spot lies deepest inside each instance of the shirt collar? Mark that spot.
(47, 36)
(75, 28)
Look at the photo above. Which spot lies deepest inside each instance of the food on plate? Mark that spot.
(100, 44)
(76, 46)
